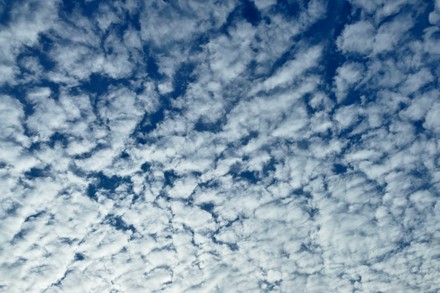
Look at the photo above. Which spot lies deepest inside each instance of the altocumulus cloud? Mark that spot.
(219, 146)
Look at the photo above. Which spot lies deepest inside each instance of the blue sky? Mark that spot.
(219, 146)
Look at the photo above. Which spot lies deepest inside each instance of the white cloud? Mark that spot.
(432, 121)
(391, 33)
(347, 116)
(357, 38)
(346, 79)
(434, 16)
(303, 61)
(230, 57)
(419, 107)
(415, 81)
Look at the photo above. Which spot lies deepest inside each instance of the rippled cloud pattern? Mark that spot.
(219, 146)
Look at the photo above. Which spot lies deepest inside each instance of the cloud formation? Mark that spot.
(241, 146)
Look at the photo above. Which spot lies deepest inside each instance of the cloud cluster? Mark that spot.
(233, 146)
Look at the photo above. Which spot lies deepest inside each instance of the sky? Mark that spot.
(219, 146)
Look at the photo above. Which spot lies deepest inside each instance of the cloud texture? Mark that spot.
(219, 146)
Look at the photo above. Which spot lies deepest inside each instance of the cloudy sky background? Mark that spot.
(219, 146)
